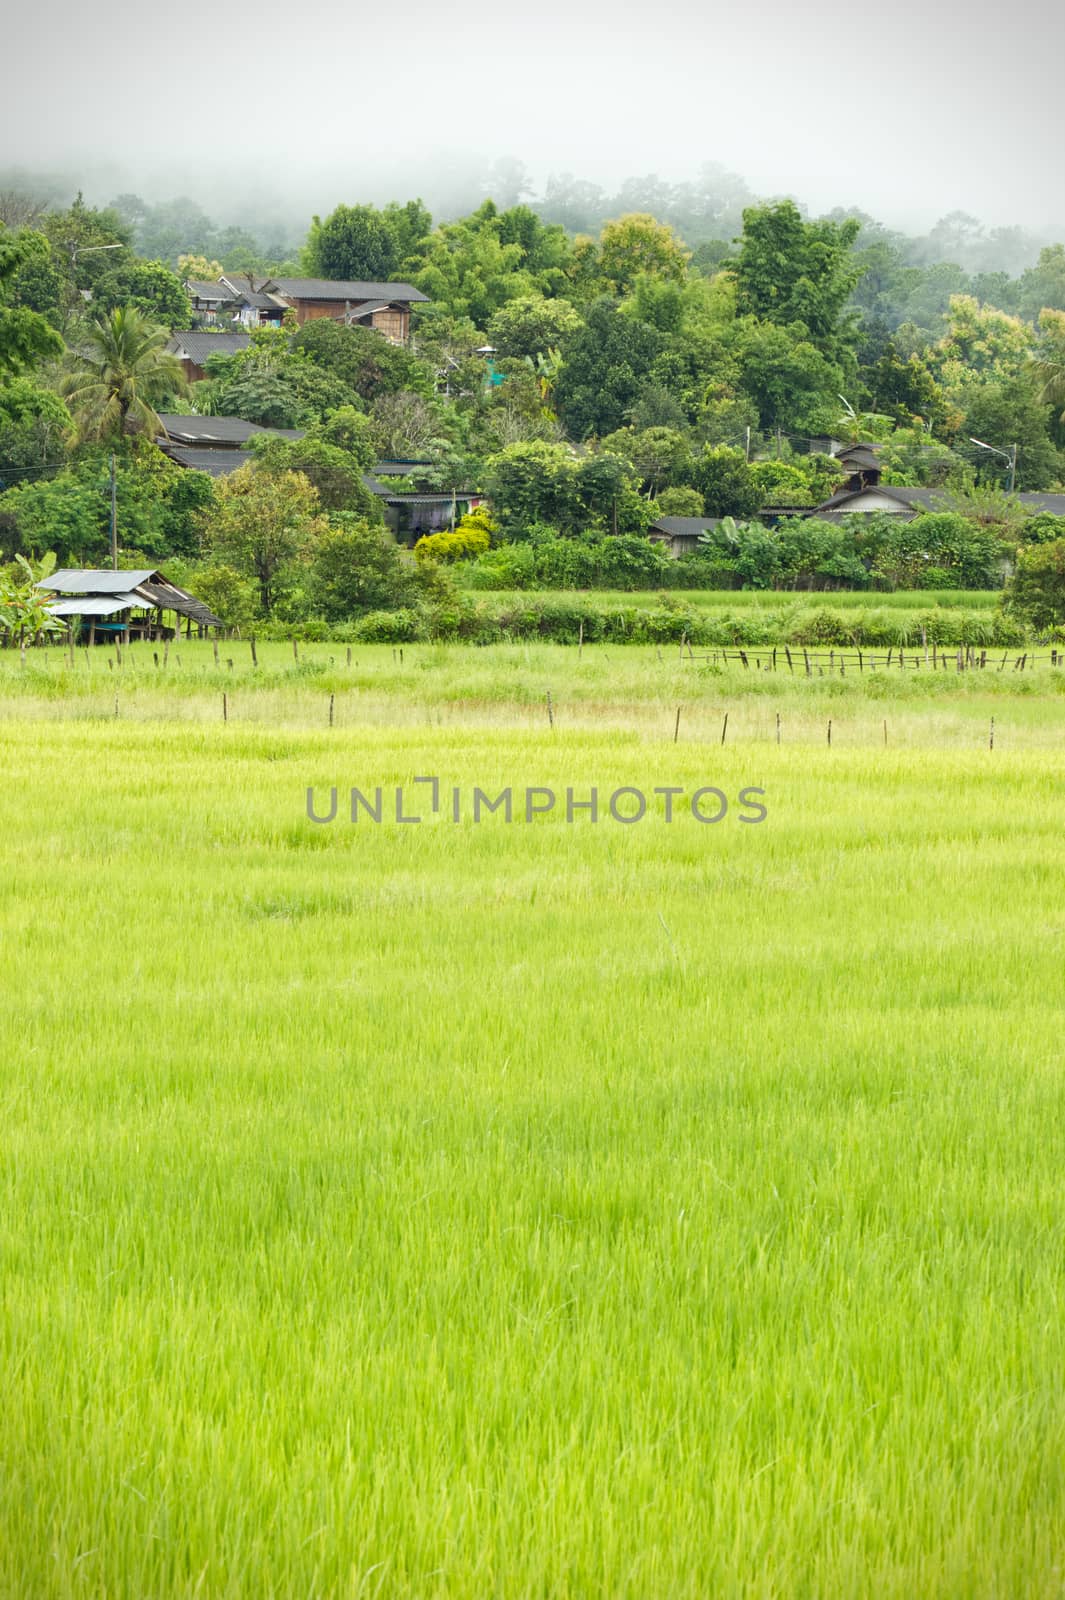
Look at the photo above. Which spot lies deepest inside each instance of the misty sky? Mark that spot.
(909, 110)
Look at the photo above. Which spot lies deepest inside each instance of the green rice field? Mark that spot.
(538, 1208)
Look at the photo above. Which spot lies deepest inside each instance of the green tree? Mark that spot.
(532, 483)
(272, 384)
(25, 337)
(607, 364)
(356, 568)
(336, 474)
(788, 379)
(353, 242)
(1012, 413)
(636, 245)
(678, 502)
(149, 287)
(1043, 286)
(793, 272)
(261, 524)
(361, 360)
(34, 426)
(118, 374)
(726, 483)
(1036, 589)
(531, 325)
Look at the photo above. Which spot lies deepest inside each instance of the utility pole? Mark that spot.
(114, 518)
(1009, 456)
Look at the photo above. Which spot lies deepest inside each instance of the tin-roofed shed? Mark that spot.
(132, 604)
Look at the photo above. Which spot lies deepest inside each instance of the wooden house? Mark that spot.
(382, 306)
(193, 348)
(679, 536)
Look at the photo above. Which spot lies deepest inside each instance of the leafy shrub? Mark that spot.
(461, 544)
(390, 627)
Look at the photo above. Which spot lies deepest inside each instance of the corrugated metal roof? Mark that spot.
(217, 463)
(207, 430)
(198, 345)
(90, 580)
(94, 605)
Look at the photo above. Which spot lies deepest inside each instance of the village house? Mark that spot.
(679, 536)
(193, 348)
(384, 307)
(861, 492)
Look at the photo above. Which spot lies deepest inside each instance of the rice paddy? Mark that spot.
(538, 1208)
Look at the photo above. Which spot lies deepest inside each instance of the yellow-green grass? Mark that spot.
(532, 1209)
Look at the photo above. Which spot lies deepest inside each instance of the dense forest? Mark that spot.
(590, 363)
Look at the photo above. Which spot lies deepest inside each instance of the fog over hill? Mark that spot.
(908, 114)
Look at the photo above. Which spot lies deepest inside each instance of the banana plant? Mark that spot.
(25, 613)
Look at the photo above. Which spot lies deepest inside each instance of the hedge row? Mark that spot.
(567, 621)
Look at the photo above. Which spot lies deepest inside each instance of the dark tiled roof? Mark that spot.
(1038, 501)
(346, 289)
(216, 292)
(684, 527)
(197, 346)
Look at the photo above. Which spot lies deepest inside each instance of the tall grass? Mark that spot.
(453, 1210)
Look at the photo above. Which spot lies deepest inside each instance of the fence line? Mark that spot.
(783, 658)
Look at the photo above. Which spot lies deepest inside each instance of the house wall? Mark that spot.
(393, 323)
(871, 500)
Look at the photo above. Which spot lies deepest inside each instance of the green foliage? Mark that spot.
(726, 483)
(150, 288)
(461, 544)
(1043, 286)
(25, 336)
(184, 512)
(532, 483)
(336, 474)
(607, 363)
(34, 426)
(1036, 589)
(230, 594)
(674, 502)
(1008, 413)
(70, 512)
(355, 569)
(529, 325)
(274, 385)
(355, 242)
(1043, 528)
(359, 358)
(639, 245)
(796, 273)
(261, 525)
(626, 561)
(24, 613)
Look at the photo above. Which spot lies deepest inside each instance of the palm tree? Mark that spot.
(1049, 363)
(119, 375)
